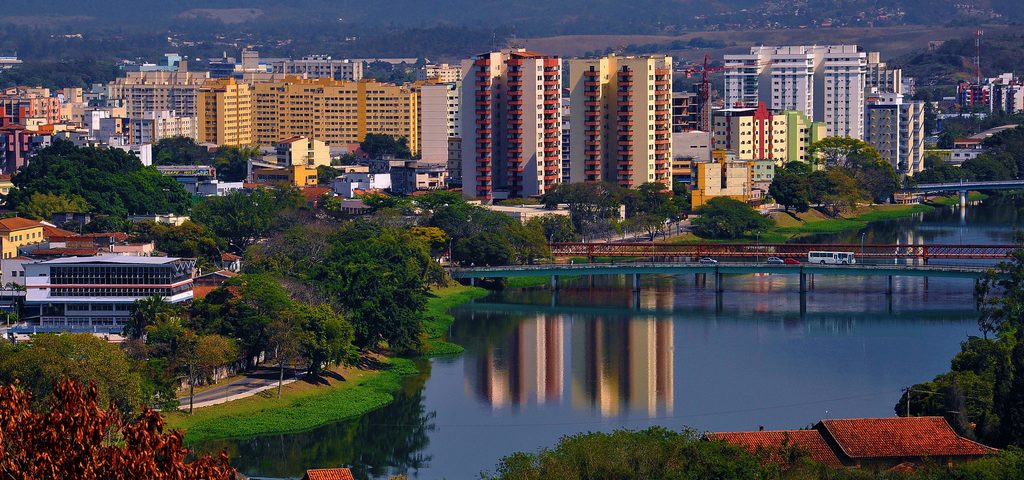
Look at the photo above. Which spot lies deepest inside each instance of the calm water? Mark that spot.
(536, 369)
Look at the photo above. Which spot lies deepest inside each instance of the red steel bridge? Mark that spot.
(783, 250)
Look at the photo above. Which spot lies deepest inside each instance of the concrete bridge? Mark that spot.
(760, 251)
(701, 272)
(964, 186)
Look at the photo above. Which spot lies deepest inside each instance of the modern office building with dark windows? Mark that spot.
(84, 293)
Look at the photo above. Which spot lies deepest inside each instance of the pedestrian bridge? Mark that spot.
(964, 187)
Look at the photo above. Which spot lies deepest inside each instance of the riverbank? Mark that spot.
(342, 393)
(436, 318)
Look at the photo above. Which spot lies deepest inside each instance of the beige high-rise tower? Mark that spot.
(225, 111)
(621, 120)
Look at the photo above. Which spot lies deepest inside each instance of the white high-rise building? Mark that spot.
(824, 82)
(439, 119)
(895, 127)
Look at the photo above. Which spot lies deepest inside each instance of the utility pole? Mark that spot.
(907, 389)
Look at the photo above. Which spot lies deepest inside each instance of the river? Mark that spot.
(533, 372)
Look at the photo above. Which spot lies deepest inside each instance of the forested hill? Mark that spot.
(530, 17)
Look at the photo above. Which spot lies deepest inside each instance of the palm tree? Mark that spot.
(146, 312)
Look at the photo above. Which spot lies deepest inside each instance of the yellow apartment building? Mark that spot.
(723, 176)
(295, 175)
(225, 113)
(332, 111)
(17, 232)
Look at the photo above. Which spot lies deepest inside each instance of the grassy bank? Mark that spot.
(955, 199)
(341, 394)
(436, 318)
(815, 222)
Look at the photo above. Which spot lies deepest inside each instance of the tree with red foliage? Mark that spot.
(78, 439)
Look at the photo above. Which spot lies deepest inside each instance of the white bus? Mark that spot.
(831, 258)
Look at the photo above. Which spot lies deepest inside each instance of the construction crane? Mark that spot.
(704, 90)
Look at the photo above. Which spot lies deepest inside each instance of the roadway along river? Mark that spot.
(532, 373)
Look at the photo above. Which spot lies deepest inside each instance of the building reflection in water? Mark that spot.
(528, 366)
(621, 365)
(618, 365)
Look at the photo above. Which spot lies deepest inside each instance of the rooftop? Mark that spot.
(900, 437)
(329, 474)
(772, 441)
(12, 224)
(115, 259)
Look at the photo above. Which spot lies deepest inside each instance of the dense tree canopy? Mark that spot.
(377, 145)
(241, 218)
(42, 206)
(111, 181)
(723, 217)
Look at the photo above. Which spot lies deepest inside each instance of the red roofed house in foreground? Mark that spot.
(876, 443)
(329, 474)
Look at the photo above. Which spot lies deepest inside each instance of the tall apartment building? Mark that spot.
(18, 104)
(723, 176)
(758, 134)
(155, 126)
(895, 127)
(319, 66)
(882, 78)
(826, 83)
(438, 118)
(333, 111)
(511, 124)
(225, 113)
(621, 120)
(141, 92)
(443, 73)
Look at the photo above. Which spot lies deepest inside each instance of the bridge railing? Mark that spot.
(797, 251)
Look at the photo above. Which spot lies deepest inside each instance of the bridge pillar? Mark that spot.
(636, 282)
(888, 286)
(554, 283)
(803, 281)
(718, 281)
(472, 282)
(963, 198)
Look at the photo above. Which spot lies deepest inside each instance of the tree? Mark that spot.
(592, 206)
(1000, 295)
(842, 193)
(190, 240)
(42, 364)
(232, 163)
(837, 151)
(285, 338)
(242, 218)
(180, 151)
(484, 249)
(790, 190)
(146, 312)
(434, 237)
(110, 180)
(555, 228)
(327, 338)
(377, 145)
(42, 206)
(723, 217)
(76, 438)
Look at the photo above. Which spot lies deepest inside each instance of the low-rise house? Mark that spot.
(328, 474)
(231, 262)
(16, 232)
(874, 443)
(349, 184)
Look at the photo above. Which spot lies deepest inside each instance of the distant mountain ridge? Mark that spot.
(535, 17)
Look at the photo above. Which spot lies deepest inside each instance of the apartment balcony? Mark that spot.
(592, 103)
(591, 83)
(483, 131)
(592, 123)
(625, 143)
(517, 102)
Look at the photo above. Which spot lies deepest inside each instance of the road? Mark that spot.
(258, 378)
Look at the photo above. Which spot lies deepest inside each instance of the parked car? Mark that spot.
(791, 261)
(775, 261)
(708, 261)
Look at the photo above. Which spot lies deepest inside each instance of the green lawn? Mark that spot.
(344, 393)
(955, 199)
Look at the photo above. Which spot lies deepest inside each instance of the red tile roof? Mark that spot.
(229, 257)
(900, 437)
(772, 441)
(54, 232)
(329, 474)
(11, 224)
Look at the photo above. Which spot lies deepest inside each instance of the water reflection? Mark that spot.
(526, 365)
(623, 364)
